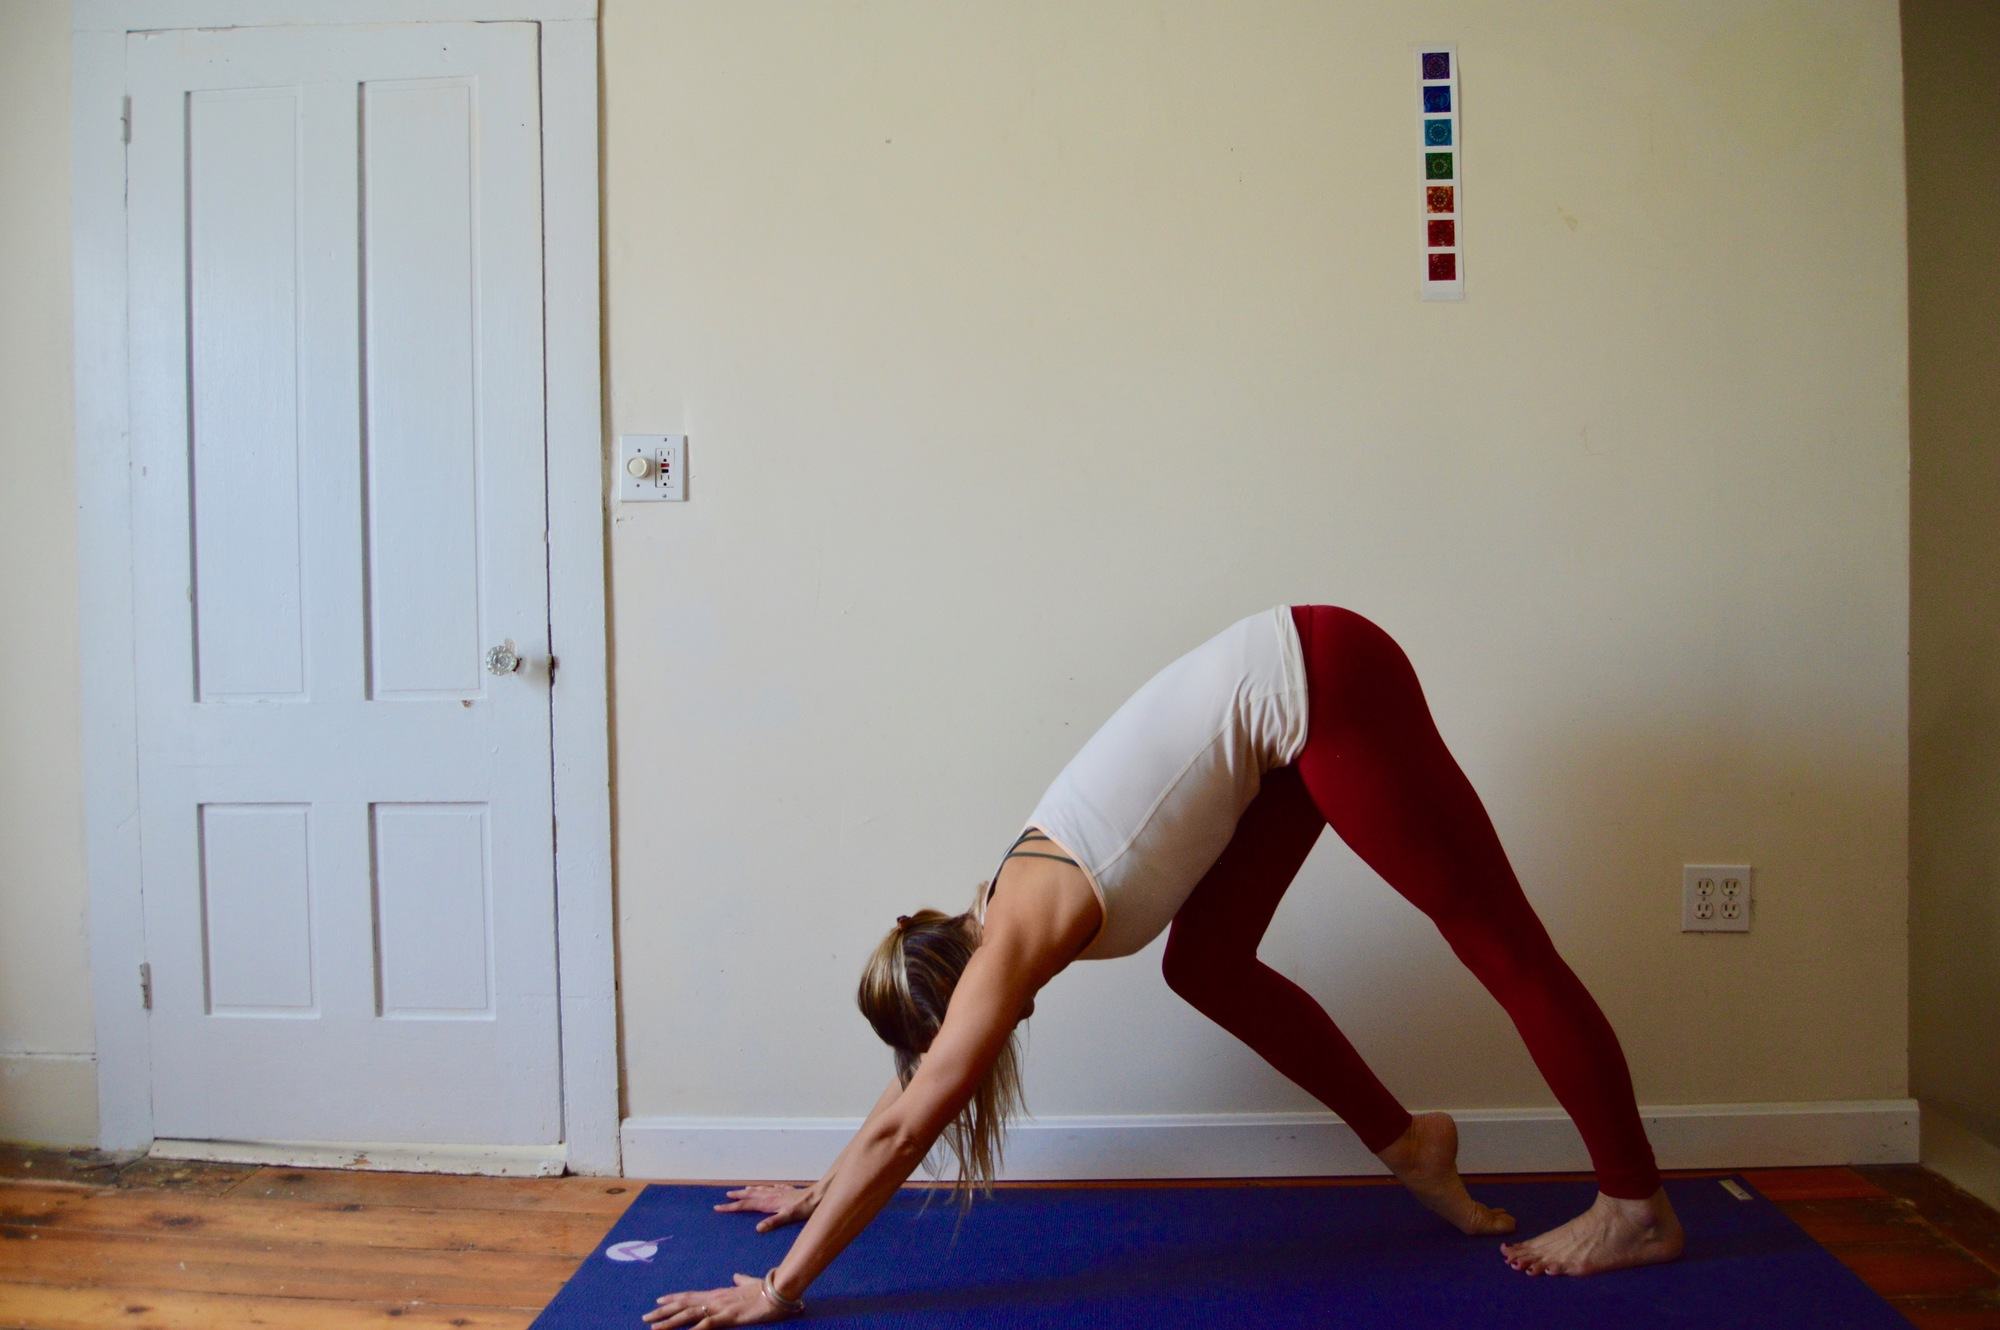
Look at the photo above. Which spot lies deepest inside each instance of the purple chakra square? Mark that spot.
(1437, 64)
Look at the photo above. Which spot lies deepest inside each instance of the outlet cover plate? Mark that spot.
(662, 462)
(1715, 898)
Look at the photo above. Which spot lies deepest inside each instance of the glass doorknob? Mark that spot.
(503, 659)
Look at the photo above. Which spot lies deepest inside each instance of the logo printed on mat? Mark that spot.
(640, 1249)
(1730, 1185)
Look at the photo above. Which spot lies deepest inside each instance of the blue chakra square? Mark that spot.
(1437, 133)
(1437, 99)
(1437, 165)
(1437, 64)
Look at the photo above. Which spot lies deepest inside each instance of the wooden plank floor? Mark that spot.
(88, 1242)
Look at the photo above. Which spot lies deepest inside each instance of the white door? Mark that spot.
(335, 329)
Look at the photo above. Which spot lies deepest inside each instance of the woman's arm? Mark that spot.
(991, 994)
(1042, 925)
(984, 1008)
(889, 1095)
(785, 1204)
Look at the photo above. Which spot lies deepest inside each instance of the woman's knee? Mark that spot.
(1196, 971)
(1511, 956)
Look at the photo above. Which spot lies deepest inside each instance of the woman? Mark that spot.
(1190, 811)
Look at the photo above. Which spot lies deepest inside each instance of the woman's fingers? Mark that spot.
(754, 1198)
(750, 1203)
(788, 1215)
(742, 1304)
(677, 1311)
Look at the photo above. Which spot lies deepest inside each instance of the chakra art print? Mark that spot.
(1440, 148)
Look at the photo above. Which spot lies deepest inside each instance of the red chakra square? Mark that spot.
(1441, 231)
(1437, 198)
(1444, 267)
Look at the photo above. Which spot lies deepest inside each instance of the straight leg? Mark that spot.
(1380, 773)
(1382, 776)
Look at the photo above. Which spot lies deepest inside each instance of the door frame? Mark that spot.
(575, 455)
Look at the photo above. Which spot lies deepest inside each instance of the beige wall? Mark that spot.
(1022, 346)
(1954, 138)
(48, 1088)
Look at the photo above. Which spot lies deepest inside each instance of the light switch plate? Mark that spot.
(652, 468)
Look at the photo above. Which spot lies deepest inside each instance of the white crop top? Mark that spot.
(1147, 804)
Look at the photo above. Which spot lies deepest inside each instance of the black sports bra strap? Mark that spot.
(1015, 852)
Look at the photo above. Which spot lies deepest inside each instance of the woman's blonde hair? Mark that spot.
(904, 989)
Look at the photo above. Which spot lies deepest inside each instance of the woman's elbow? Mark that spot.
(899, 1142)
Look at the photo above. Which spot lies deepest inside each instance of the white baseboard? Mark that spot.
(1247, 1145)
(499, 1161)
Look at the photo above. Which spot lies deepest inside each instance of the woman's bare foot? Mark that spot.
(1425, 1160)
(1610, 1235)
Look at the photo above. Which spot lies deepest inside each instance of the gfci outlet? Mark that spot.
(652, 467)
(1715, 898)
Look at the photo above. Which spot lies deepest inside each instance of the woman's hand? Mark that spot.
(785, 1205)
(745, 1304)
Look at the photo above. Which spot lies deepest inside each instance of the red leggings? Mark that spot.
(1375, 769)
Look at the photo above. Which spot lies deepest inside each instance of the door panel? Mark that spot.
(423, 587)
(256, 909)
(335, 327)
(243, 247)
(433, 913)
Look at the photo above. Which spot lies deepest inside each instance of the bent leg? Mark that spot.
(1211, 961)
(1382, 777)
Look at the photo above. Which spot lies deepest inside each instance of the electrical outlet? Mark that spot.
(1715, 898)
(654, 467)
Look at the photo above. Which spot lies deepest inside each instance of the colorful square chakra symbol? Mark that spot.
(1444, 267)
(1441, 231)
(1437, 165)
(1438, 98)
(1437, 64)
(1437, 198)
(1437, 133)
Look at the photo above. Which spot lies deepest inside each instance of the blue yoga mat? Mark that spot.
(1158, 1257)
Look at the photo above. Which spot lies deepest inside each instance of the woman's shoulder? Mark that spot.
(1046, 907)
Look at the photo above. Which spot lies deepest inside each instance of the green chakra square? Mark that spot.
(1437, 166)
